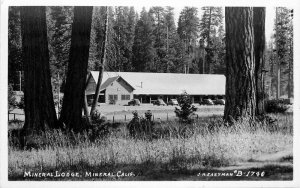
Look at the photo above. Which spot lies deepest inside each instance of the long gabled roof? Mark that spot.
(107, 82)
(169, 83)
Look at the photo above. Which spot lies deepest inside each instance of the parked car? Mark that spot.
(172, 102)
(159, 102)
(206, 102)
(112, 102)
(134, 102)
(219, 101)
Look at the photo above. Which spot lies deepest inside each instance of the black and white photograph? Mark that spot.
(149, 93)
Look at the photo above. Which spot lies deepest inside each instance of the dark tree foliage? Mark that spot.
(123, 26)
(15, 63)
(11, 98)
(188, 30)
(212, 34)
(284, 55)
(98, 37)
(102, 64)
(143, 46)
(59, 35)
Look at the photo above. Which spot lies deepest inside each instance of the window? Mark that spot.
(113, 97)
(125, 97)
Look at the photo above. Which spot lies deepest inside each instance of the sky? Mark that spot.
(270, 16)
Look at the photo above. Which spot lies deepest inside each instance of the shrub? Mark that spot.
(186, 109)
(11, 98)
(21, 104)
(99, 127)
(97, 118)
(276, 106)
(140, 127)
(148, 115)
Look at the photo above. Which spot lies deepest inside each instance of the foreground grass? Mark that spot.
(211, 145)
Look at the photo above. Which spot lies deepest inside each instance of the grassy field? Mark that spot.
(160, 112)
(212, 151)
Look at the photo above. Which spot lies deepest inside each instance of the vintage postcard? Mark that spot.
(149, 93)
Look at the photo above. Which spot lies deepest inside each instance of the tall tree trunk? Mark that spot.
(290, 69)
(85, 106)
(272, 73)
(259, 14)
(277, 57)
(39, 105)
(71, 114)
(102, 64)
(208, 54)
(240, 81)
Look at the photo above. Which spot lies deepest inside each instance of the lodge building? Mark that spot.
(121, 87)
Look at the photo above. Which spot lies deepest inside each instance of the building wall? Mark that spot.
(91, 87)
(119, 88)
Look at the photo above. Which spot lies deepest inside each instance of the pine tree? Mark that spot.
(71, 113)
(131, 22)
(59, 23)
(15, 63)
(259, 14)
(212, 33)
(171, 37)
(102, 65)
(143, 46)
(269, 67)
(97, 38)
(240, 80)
(159, 33)
(124, 24)
(188, 30)
(39, 105)
(284, 32)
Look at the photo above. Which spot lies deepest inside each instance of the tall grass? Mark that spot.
(209, 144)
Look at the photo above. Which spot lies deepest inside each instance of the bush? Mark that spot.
(276, 106)
(11, 98)
(21, 104)
(186, 108)
(99, 127)
(148, 115)
(140, 127)
(97, 118)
